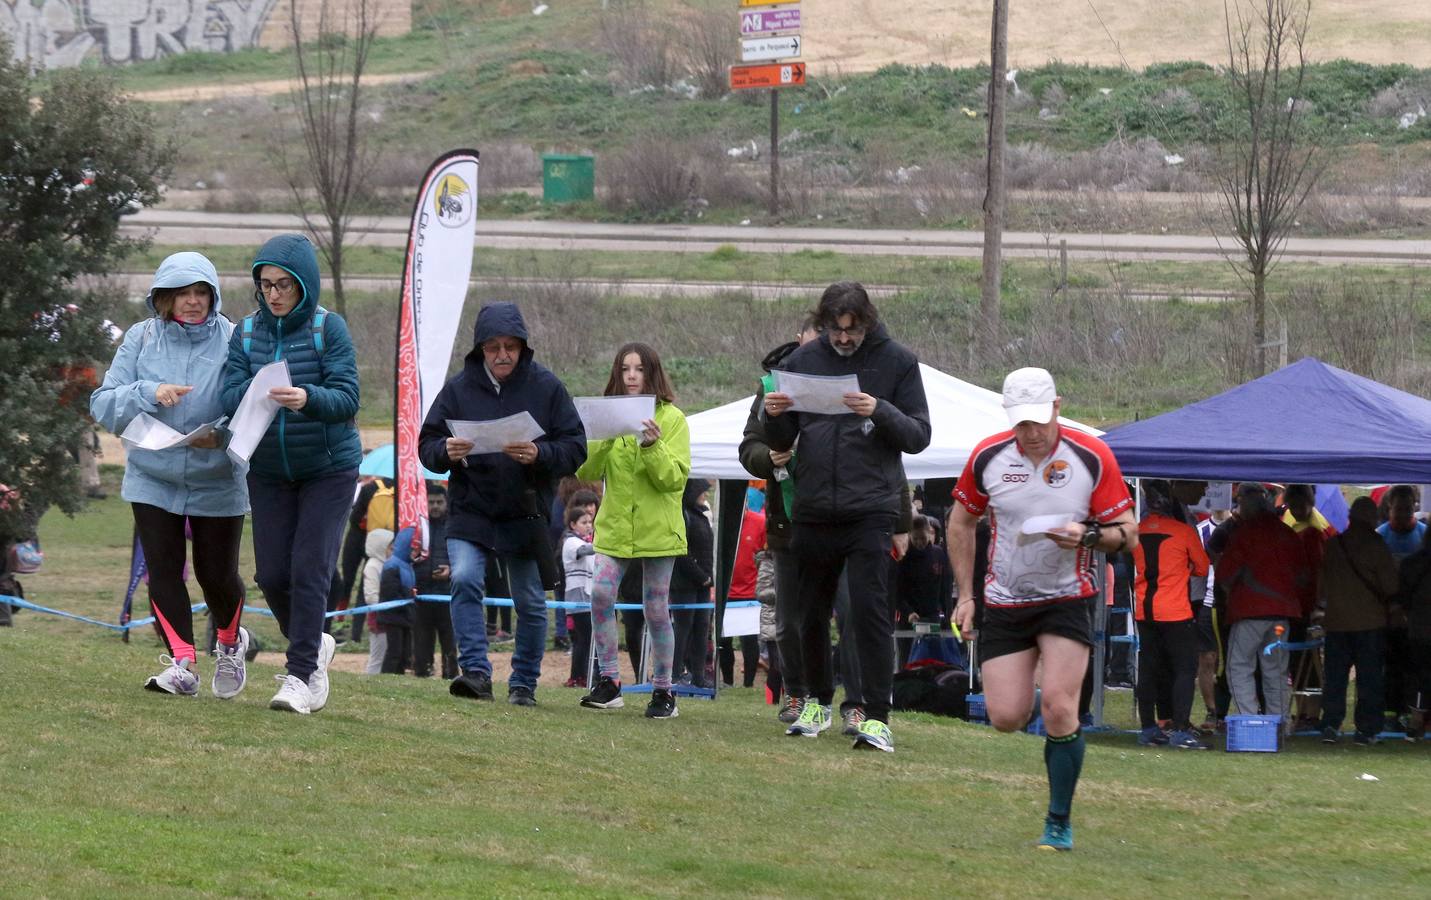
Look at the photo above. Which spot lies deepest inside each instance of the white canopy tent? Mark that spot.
(961, 414)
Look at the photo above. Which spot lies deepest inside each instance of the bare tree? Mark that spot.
(1267, 165)
(711, 46)
(329, 176)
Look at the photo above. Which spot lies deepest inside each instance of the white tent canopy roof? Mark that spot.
(962, 415)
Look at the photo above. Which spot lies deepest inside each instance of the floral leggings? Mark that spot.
(656, 601)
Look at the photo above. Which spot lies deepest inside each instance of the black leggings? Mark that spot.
(1167, 668)
(216, 551)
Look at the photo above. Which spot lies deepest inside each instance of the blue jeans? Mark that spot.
(469, 619)
(1366, 650)
(297, 532)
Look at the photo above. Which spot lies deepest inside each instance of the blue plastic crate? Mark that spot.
(1036, 727)
(1254, 734)
(976, 711)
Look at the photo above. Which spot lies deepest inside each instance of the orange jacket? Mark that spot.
(1168, 553)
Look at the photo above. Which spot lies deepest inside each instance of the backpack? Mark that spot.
(23, 557)
(315, 328)
(936, 688)
(382, 508)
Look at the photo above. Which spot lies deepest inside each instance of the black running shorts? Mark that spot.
(1011, 630)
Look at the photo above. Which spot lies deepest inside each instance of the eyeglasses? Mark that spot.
(853, 331)
(282, 285)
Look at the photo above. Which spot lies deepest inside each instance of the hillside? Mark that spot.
(862, 35)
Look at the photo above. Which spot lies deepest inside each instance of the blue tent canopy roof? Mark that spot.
(1309, 422)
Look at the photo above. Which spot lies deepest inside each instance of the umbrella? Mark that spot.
(380, 463)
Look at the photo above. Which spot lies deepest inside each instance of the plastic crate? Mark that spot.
(975, 709)
(1036, 727)
(1254, 734)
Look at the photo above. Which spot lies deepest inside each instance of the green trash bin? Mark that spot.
(568, 177)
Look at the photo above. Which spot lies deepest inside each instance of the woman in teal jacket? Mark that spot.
(167, 369)
(639, 519)
(303, 473)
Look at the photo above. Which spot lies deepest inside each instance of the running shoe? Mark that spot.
(1330, 735)
(293, 695)
(1152, 736)
(472, 685)
(874, 735)
(1056, 836)
(853, 718)
(1186, 740)
(791, 710)
(606, 695)
(230, 673)
(318, 681)
(814, 718)
(178, 679)
(518, 695)
(1365, 740)
(662, 705)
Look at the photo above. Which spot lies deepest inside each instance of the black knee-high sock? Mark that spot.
(1063, 757)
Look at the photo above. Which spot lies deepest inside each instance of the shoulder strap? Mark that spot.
(247, 333)
(316, 326)
(767, 381)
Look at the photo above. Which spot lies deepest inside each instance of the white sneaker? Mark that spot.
(318, 681)
(230, 673)
(292, 696)
(176, 679)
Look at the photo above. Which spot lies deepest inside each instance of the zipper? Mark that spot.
(282, 417)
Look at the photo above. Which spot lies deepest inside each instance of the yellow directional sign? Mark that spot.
(745, 3)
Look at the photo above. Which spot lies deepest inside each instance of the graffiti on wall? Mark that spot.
(60, 33)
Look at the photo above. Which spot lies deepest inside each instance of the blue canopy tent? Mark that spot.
(1306, 423)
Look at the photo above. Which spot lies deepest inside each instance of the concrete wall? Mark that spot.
(60, 33)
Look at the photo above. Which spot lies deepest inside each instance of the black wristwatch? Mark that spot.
(1091, 536)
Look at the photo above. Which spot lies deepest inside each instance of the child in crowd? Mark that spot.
(578, 562)
(397, 581)
(379, 544)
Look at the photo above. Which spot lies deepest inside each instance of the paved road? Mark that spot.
(204, 228)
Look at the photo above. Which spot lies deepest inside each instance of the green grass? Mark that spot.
(397, 789)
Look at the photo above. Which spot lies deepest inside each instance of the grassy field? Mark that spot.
(397, 789)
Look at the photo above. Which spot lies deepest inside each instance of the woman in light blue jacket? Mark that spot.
(168, 368)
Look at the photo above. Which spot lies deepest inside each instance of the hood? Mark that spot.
(181, 270)
(294, 254)
(377, 542)
(495, 320)
(775, 357)
(694, 488)
(401, 559)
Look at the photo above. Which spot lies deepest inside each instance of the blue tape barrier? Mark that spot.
(1292, 645)
(19, 603)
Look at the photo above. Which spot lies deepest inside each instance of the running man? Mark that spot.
(1066, 488)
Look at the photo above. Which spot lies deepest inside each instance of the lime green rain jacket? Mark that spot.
(640, 513)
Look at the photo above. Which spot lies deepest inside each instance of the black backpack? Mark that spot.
(937, 688)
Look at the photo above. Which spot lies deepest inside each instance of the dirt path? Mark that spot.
(229, 90)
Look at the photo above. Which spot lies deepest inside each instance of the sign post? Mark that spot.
(770, 33)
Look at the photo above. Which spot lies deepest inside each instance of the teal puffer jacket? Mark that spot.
(186, 481)
(322, 437)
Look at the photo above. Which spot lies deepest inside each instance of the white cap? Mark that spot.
(1029, 395)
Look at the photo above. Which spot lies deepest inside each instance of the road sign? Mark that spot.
(769, 21)
(745, 3)
(744, 78)
(767, 48)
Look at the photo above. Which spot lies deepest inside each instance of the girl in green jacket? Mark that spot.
(639, 519)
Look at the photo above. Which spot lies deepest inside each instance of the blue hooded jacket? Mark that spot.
(185, 481)
(322, 437)
(397, 581)
(489, 489)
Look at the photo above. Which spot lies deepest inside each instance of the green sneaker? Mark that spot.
(874, 735)
(814, 718)
(1056, 836)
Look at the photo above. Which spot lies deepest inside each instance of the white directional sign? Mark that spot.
(768, 48)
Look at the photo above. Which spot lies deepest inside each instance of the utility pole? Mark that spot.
(992, 281)
(774, 152)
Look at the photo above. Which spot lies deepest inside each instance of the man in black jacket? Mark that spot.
(498, 502)
(848, 496)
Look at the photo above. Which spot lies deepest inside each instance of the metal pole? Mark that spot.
(774, 152)
(992, 281)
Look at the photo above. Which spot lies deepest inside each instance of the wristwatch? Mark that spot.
(1091, 536)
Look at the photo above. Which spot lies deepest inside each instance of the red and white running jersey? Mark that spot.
(1078, 481)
